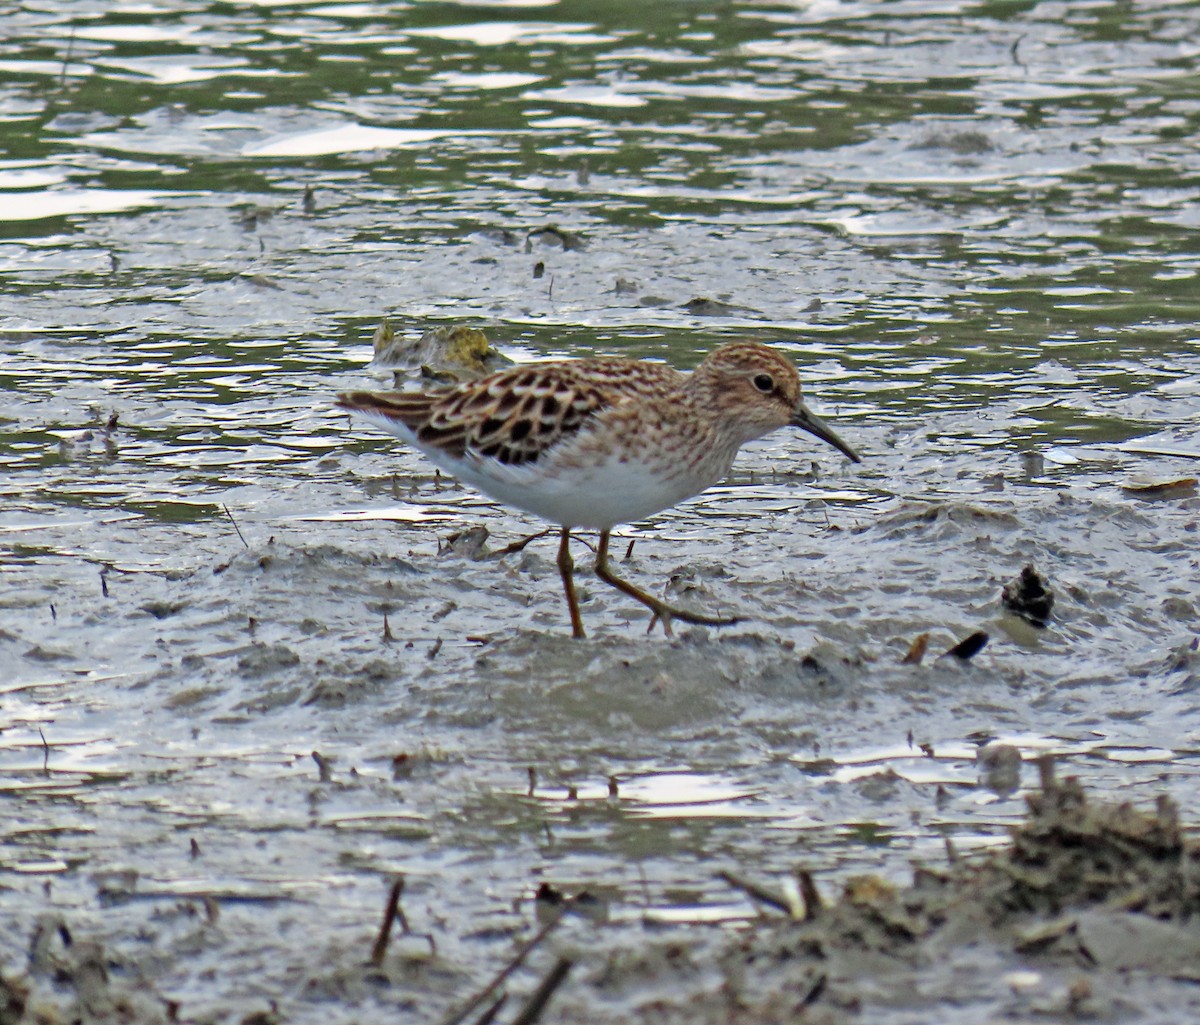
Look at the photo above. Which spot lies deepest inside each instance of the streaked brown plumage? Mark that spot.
(597, 442)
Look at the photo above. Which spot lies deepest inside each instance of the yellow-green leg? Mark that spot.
(662, 611)
(566, 569)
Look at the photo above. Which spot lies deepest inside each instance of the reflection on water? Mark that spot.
(971, 224)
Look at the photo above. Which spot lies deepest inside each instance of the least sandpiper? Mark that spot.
(591, 443)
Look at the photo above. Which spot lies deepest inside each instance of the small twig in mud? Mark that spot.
(45, 754)
(489, 1014)
(456, 1017)
(814, 993)
(390, 914)
(519, 546)
(951, 850)
(432, 653)
(53, 612)
(195, 847)
(236, 528)
(532, 781)
(629, 550)
(813, 905)
(1046, 775)
(756, 892)
(325, 773)
(104, 582)
(537, 1002)
(387, 631)
(612, 787)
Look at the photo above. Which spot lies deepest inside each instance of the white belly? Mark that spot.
(572, 487)
(597, 497)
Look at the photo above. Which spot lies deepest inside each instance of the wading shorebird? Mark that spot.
(591, 443)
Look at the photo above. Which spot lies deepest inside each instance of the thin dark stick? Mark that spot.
(456, 1017)
(45, 753)
(62, 78)
(489, 1015)
(756, 892)
(813, 905)
(541, 996)
(1046, 774)
(389, 919)
(234, 522)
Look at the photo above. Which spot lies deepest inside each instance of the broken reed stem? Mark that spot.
(813, 905)
(541, 996)
(324, 769)
(1046, 774)
(456, 1017)
(756, 892)
(389, 919)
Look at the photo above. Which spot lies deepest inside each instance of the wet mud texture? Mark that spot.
(1089, 913)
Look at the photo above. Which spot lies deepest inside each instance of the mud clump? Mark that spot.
(1084, 893)
(1071, 853)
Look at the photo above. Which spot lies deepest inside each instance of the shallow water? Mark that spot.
(972, 224)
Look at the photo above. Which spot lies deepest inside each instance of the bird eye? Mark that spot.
(764, 382)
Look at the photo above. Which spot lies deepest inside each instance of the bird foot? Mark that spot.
(663, 613)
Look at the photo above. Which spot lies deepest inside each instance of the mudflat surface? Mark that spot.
(973, 227)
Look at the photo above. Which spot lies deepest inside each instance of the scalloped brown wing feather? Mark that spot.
(514, 417)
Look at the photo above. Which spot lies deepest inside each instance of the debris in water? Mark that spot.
(468, 544)
(916, 650)
(553, 233)
(1159, 487)
(702, 307)
(445, 354)
(1027, 596)
(969, 646)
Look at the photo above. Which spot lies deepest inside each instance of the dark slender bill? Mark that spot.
(806, 419)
